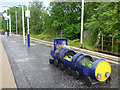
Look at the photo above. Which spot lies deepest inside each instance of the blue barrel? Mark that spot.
(99, 71)
(58, 42)
(68, 53)
(83, 69)
(74, 60)
(59, 55)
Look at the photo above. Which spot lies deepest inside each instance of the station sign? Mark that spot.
(5, 16)
(27, 13)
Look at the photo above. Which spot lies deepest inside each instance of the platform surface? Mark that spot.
(31, 68)
(6, 76)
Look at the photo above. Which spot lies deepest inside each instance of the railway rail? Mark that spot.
(110, 53)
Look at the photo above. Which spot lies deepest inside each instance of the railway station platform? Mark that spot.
(28, 67)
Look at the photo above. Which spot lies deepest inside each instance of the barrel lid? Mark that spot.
(102, 68)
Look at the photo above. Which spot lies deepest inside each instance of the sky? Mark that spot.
(11, 3)
(45, 2)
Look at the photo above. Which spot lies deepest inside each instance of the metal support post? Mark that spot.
(82, 16)
(16, 21)
(28, 36)
(23, 25)
(7, 26)
(10, 24)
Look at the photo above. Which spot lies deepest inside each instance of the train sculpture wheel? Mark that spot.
(61, 66)
(88, 81)
(108, 80)
(51, 61)
(69, 71)
(76, 75)
(56, 63)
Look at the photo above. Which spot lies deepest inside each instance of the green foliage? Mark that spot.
(41, 36)
(36, 15)
(105, 18)
(63, 20)
(12, 11)
(75, 40)
(0, 22)
(4, 24)
(69, 58)
(88, 64)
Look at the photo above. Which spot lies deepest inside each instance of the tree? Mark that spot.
(36, 17)
(104, 20)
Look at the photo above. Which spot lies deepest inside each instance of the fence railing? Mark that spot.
(109, 43)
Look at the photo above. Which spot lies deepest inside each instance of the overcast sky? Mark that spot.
(11, 3)
(45, 2)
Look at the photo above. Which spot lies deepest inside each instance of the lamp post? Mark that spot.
(10, 23)
(23, 25)
(7, 25)
(16, 20)
(82, 16)
(27, 14)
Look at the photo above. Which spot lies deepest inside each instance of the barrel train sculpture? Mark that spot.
(95, 72)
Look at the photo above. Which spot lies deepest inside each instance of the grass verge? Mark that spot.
(75, 43)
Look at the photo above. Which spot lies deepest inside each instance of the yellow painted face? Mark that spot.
(102, 68)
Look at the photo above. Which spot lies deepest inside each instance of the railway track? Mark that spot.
(110, 53)
(110, 58)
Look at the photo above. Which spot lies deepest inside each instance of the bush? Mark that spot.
(2, 30)
(75, 40)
